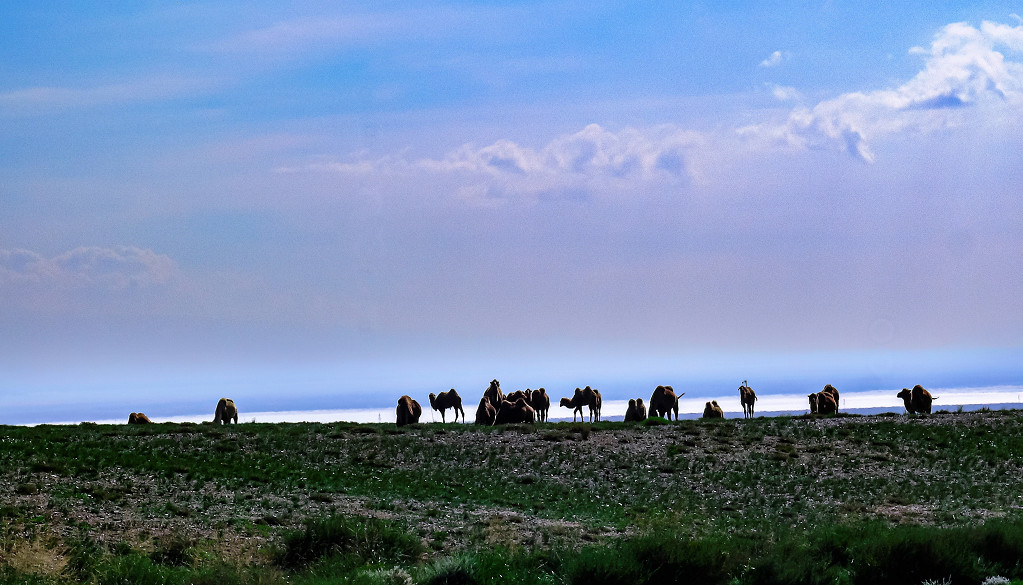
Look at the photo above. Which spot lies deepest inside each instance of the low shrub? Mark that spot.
(657, 557)
(369, 540)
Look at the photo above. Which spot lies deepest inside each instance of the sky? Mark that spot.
(310, 206)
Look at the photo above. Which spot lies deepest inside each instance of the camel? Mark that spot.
(636, 411)
(747, 397)
(813, 402)
(640, 409)
(712, 410)
(494, 394)
(826, 403)
(408, 411)
(446, 400)
(226, 412)
(567, 403)
(541, 404)
(588, 397)
(138, 418)
(514, 396)
(834, 394)
(485, 413)
(632, 412)
(917, 400)
(664, 401)
(515, 412)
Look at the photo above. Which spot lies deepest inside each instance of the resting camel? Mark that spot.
(138, 418)
(446, 400)
(747, 397)
(494, 394)
(485, 413)
(916, 400)
(541, 404)
(514, 396)
(226, 412)
(515, 412)
(664, 401)
(829, 389)
(712, 410)
(640, 409)
(636, 411)
(408, 411)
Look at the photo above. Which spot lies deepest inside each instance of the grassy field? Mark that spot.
(871, 499)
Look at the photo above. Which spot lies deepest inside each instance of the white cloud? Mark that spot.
(49, 98)
(774, 59)
(593, 158)
(117, 268)
(784, 94)
(964, 69)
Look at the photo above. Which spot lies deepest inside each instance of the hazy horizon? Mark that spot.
(311, 205)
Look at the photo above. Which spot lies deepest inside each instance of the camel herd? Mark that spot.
(528, 406)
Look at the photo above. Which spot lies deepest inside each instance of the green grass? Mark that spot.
(768, 500)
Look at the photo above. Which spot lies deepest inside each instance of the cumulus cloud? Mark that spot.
(119, 268)
(591, 152)
(964, 68)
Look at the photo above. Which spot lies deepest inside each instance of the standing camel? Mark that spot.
(408, 411)
(541, 404)
(446, 400)
(748, 398)
(664, 401)
(588, 397)
(916, 400)
(226, 412)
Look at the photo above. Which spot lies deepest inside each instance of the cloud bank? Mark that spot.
(594, 160)
(111, 269)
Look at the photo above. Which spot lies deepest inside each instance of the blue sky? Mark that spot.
(317, 206)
